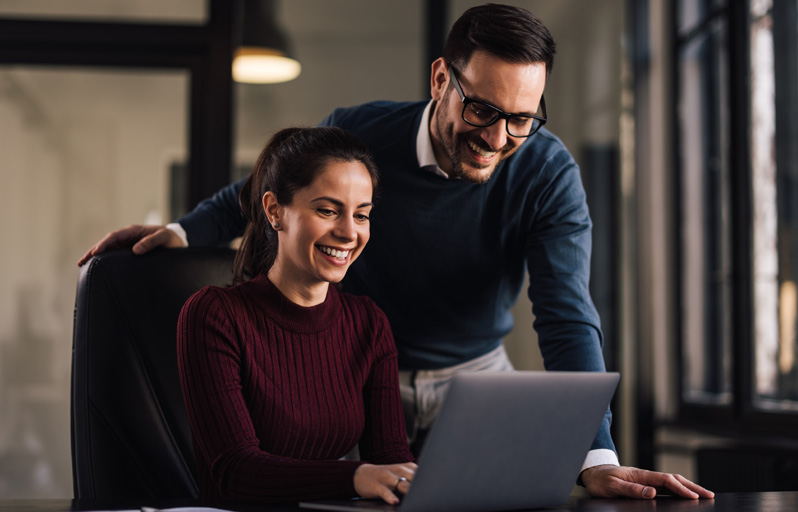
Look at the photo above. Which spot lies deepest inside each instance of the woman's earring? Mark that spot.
(276, 225)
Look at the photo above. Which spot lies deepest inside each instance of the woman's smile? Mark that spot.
(323, 230)
(338, 256)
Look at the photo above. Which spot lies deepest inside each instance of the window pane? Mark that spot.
(81, 153)
(705, 229)
(775, 193)
(694, 12)
(151, 11)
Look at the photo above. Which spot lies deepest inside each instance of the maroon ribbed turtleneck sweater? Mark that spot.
(277, 392)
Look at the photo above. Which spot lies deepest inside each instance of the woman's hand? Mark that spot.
(385, 481)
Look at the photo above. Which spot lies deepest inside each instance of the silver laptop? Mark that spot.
(503, 441)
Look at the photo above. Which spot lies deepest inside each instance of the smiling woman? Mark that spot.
(321, 232)
(307, 199)
(282, 374)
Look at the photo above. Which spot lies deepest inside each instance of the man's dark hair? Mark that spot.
(510, 33)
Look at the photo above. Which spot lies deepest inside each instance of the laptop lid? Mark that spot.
(505, 441)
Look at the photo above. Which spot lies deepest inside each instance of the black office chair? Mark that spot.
(130, 430)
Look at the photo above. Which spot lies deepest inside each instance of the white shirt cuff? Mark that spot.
(179, 231)
(600, 457)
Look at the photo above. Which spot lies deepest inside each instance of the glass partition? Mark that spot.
(82, 152)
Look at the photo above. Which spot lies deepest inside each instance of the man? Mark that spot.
(472, 192)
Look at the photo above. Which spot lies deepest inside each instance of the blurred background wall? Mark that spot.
(652, 97)
(85, 150)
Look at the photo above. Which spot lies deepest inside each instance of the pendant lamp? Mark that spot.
(264, 56)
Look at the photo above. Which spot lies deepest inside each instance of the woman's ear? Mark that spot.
(272, 209)
(439, 78)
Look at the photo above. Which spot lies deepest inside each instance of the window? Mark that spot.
(737, 181)
(703, 112)
(774, 168)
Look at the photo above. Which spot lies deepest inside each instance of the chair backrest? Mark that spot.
(130, 430)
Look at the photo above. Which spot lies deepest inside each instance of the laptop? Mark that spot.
(503, 441)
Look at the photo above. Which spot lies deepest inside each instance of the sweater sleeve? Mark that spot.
(216, 220)
(558, 258)
(224, 436)
(384, 439)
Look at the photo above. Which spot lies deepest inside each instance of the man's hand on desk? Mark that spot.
(621, 481)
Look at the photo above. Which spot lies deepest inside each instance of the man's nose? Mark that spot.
(496, 134)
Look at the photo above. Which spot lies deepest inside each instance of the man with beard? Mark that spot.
(473, 193)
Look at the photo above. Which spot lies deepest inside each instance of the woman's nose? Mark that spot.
(345, 228)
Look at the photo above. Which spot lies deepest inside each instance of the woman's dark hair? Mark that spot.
(511, 33)
(291, 160)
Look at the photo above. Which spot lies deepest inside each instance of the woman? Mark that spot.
(283, 374)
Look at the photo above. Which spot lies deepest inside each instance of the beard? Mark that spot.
(455, 145)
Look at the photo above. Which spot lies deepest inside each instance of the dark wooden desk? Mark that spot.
(725, 502)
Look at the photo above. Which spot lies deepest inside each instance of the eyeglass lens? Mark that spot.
(480, 114)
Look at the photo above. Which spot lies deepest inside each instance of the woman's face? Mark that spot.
(326, 226)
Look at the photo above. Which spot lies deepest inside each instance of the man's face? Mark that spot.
(469, 152)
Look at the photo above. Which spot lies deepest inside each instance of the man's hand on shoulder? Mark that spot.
(620, 481)
(142, 238)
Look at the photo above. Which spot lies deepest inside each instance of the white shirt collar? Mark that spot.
(424, 152)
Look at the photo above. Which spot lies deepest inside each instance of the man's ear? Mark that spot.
(272, 209)
(439, 78)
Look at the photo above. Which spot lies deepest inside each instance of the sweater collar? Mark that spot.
(298, 318)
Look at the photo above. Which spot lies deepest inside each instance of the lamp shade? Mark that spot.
(264, 55)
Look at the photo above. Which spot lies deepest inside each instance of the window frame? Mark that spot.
(740, 417)
(205, 51)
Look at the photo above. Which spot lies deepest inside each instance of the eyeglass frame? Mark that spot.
(501, 114)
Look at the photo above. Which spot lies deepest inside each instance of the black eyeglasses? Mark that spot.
(481, 114)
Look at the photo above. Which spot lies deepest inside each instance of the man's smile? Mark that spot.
(481, 153)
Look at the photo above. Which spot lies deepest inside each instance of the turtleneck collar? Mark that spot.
(294, 317)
